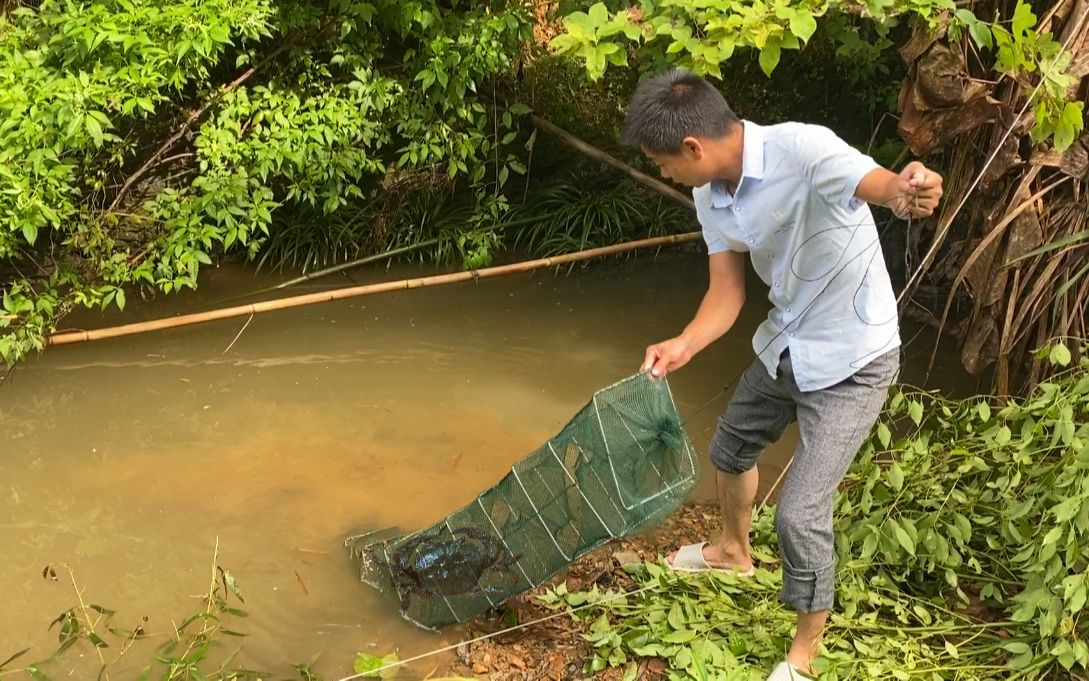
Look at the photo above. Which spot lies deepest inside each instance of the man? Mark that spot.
(794, 198)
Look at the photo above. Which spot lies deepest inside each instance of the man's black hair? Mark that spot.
(671, 106)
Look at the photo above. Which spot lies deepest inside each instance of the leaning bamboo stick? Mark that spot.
(385, 255)
(597, 154)
(367, 289)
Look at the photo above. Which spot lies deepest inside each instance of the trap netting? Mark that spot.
(622, 463)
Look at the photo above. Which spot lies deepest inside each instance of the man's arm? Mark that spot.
(717, 313)
(915, 191)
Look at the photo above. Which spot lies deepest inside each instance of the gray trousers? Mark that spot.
(833, 422)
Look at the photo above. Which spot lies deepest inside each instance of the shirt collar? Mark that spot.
(752, 164)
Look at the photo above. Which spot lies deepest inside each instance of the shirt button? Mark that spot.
(752, 241)
(778, 285)
(737, 209)
(788, 309)
(791, 334)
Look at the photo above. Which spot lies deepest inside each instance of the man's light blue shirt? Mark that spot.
(813, 243)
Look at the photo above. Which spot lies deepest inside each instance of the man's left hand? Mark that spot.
(918, 190)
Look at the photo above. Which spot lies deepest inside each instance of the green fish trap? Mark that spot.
(622, 464)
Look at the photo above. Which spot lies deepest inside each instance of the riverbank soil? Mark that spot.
(554, 649)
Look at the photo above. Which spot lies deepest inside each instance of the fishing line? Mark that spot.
(618, 595)
(964, 199)
(516, 627)
(811, 303)
(943, 230)
(623, 594)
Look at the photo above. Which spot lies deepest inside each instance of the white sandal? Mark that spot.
(690, 559)
(784, 671)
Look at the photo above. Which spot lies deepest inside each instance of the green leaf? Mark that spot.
(564, 43)
(30, 232)
(579, 26)
(884, 435)
(1072, 114)
(1052, 536)
(896, 477)
(1053, 246)
(803, 24)
(681, 636)
(869, 546)
(980, 31)
(963, 526)
(1068, 126)
(120, 299)
(1023, 18)
(915, 411)
(36, 673)
(595, 62)
(769, 57)
(1077, 599)
(1060, 355)
(1064, 653)
(952, 650)
(984, 411)
(1064, 136)
(923, 614)
(897, 401)
(368, 665)
(94, 129)
(599, 14)
(902, 537)
(676, 617)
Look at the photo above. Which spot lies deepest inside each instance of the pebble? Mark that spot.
(623, 558)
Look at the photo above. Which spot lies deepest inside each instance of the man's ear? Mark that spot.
(692, 148)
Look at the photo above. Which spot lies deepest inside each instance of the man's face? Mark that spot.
(687, 166)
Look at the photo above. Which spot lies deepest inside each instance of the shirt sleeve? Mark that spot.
(832, 167)
(712, 236)
(714, 241)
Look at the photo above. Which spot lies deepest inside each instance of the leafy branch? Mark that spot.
(961, 540)
(702, 35)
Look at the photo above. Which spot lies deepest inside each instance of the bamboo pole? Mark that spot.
(367, 289)
(599, 155)
(385, 255)
(330, 270)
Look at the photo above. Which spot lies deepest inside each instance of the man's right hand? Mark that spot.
(669, 355)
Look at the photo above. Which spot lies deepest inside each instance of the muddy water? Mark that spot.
(130, 459)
